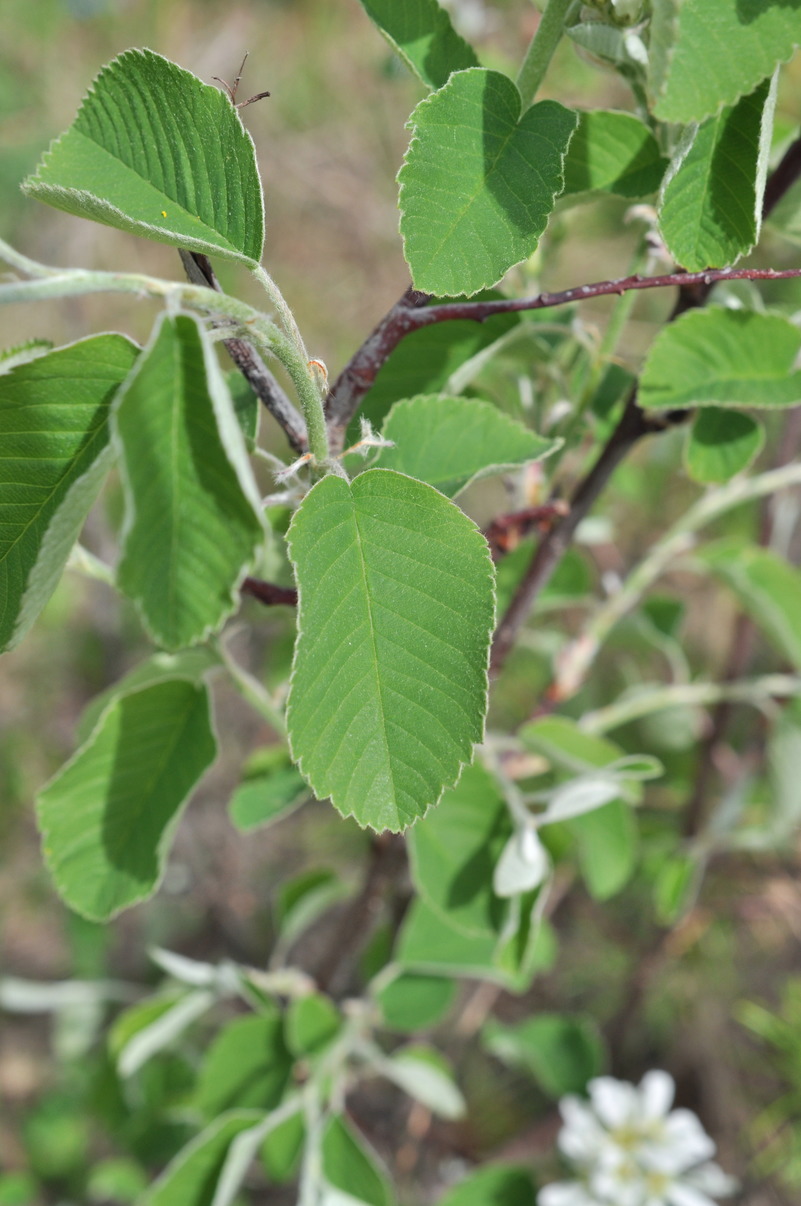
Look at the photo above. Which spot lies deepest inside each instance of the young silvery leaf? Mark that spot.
(389, 683)
(705, 55)
(479, 181)
(54, 432)
(155, 151)
(193, 523)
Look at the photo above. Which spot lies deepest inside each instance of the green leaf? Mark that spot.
(247, 1065)
(561, 1053)
(350, 1166)
(191, 1178)
(607, 847)
(301, 900)
(479, 181)
(451, 442)
(108, 815)
(311, 1024)
(389, 683)
(429, 944)
(413, 1002)
(268, 797)
(721, 443)
(420, 31)
(768, 588)
(246, 407)
(613, 153)
(190, 664)
(493, 1185)
(453, 852)
(562, 742)
(675, 887)
(281, 1150)
(723, 357)
(193, 523)
(155, 151)
(54, 433)
(426, 1075)
(703, 56)
(710, 211)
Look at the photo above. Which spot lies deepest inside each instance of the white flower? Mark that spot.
(630, 1149)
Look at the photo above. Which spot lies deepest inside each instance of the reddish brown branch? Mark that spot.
(412, 313)
(268, 593)
(634, 424)
(506, 531)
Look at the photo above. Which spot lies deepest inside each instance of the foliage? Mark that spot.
(229, 1077)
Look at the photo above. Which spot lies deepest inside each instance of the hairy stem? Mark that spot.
(579, 656)
(541, 49)
(264, 385)
(756, 691)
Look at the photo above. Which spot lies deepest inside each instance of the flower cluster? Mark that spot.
(630, 1149)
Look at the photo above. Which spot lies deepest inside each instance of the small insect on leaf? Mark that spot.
(232, 91)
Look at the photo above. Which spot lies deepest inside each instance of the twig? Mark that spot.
(359, 374)
(412, 313)
(679, 539)
(783, 176)
(634, 424)
(268, 593)
(506, 531)
(387, 857)
(264, 385)
(635, 705)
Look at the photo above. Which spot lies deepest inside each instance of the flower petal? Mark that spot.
(710, 1178)
(657, 1089)
(615, 1102)
(566, 1193)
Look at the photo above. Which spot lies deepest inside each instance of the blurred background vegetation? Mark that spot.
(330, 141)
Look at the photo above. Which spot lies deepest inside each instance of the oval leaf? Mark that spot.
(389, 684)
(723, 357)
(711, 206)
(108, 815)
(192, 521)
(54, 432)
(348, 1165)
(454, 850)
(479, 181)
(493, 1185)
(155, 151)
(721, 443)
(421, 33)
(192, 1176)
(450, 442)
